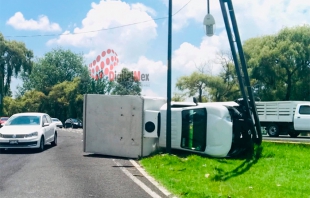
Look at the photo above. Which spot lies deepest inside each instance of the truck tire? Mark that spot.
(273, 130)
(293, 133)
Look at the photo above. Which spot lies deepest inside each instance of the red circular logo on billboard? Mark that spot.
(103, 65)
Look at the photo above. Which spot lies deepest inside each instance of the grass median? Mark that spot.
(274, 170)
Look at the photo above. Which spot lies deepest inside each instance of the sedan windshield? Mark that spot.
(24, 120)
(55, 120)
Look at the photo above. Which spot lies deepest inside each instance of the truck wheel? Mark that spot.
(273, 130)
(293, 133)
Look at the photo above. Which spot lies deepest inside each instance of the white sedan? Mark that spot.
(57, 122)
(28, 130)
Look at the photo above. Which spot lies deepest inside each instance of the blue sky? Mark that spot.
(143, 46)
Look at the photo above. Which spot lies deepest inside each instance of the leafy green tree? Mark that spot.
(11, 106)
(33, 101)
(280, 64)
(177, 97)
(193, 85)
(127, 84)
(14, 58)
(101, 86)
(65, 100)
(224, 86)
(55, 67)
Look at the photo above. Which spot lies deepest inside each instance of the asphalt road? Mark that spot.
(66, 171)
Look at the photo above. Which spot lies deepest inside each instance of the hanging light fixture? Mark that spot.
(209, 22)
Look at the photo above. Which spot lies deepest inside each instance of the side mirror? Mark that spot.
(46, 124)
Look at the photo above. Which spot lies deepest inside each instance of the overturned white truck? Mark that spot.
(134, 126)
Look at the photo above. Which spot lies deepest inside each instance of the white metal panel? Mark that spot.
(151, 103)
(150, 119)
(113, 125)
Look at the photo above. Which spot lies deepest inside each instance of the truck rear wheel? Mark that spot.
(293, 133)
(273, 130)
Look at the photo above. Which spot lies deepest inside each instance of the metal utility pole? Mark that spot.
(168, 124)
(242, 74)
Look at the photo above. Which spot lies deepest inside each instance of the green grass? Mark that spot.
(274, 170)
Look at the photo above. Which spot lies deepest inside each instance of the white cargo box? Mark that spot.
(277, 111)
(114, 125)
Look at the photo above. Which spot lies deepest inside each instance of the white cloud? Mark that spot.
(140, 6)
(254, 18)
(149, 92)
(43, 24)
(129, 41)
(188, 57)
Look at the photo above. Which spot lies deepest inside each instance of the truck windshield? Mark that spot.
(194, 129)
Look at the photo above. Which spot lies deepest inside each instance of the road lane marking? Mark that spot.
(151, 179)
(137, 181)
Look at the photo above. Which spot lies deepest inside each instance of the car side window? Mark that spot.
(44, 120)
(49, 119)
(304, 109)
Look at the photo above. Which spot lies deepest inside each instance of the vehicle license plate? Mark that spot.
(13, 142)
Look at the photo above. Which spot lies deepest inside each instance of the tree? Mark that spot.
(55, 67)
(65, 100)
(33, 101)
(224, 86)
(14, 58)
(194, 84)
(280, 64)
(127, 84)
(178, 97)
(11, 106)
(101, 86)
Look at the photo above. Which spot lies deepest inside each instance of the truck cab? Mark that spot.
(201, 128)
(302, 117)
(214, 129)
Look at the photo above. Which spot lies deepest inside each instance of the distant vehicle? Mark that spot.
(57, 122)
(3, 120)
(28, 130)
(284, 117)
(73, 123)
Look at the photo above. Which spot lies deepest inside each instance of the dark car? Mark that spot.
(73, 123)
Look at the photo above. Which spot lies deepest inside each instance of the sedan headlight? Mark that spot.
(34, 134)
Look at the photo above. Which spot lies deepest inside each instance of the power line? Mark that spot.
(104, 29)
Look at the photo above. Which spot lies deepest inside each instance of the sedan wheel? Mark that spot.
(54, 143)
(41, 148)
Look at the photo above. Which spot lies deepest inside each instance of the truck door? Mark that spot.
(302, 117)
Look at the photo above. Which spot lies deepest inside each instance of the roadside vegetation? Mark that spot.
(275, 170)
